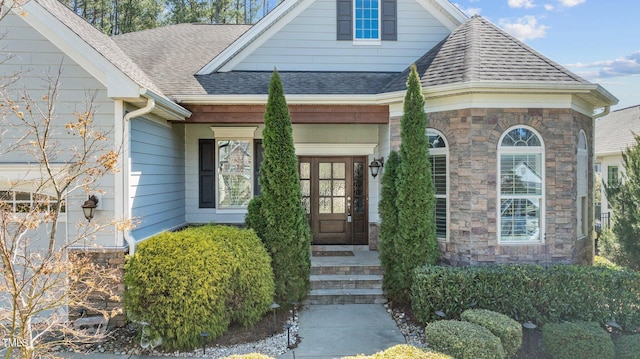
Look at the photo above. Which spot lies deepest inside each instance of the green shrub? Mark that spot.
(577, 341)
(628, 347)
(530, 293)
(403, 351)
(463, 340)
(197, 280)
(251, 289)
(600, 261)
(508, 330)
(389, 228)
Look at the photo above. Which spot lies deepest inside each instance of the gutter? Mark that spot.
(151, 104)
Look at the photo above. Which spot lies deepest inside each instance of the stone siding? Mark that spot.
(473, 136)
(113, 259)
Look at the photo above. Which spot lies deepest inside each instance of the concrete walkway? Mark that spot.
(335, 331)
(327, 331)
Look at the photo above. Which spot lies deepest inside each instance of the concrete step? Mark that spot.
(345, 296)
(352, 281)
(352, 269)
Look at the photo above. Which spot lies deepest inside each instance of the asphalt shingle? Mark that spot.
(615, 132)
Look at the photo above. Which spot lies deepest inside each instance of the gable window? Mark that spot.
(582, 187)
(366, 21)
(438, 155)
(521, 186)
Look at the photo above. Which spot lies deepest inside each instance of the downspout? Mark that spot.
(151, 104)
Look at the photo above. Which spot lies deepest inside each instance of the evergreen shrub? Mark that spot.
(197, 280)
(463, 340)
(577, 341)
(627, 347)
(530, 293)
(403, 351)
(508, 330)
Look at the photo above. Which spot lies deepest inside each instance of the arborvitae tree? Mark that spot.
(625, 201)
(416, 241)
(281, 220)
(389, 225)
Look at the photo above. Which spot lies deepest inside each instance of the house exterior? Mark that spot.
(510, 130)
(614, 134)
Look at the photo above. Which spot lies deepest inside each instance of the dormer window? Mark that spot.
(366, 21)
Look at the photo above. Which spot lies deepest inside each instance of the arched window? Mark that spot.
(582, 185)
(521, 185)
(439, 156)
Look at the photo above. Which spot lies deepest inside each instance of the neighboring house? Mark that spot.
(510, 130)
(614, 133)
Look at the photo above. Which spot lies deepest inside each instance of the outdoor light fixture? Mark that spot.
(274, 306)
(89, 207)
(375, 166)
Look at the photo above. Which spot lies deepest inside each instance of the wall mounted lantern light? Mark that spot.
(376, 165)
(89, 207)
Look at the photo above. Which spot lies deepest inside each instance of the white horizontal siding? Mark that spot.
(156, 182)
(29, 55)
(308, 43)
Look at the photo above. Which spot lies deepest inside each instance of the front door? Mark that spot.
(334, 195)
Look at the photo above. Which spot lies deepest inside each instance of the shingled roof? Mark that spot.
(480, 51)
(99, 41)
(615, 132)
(476, 51)
(171, 55)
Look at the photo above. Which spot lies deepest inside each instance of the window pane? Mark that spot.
(339, 205)
(325, 187)
(235, 173)
(305, 170)
(520, 174)
(338, 170)
(324, 170)
(366, 16)
(305, 187)
(338, 188)
(441, 217)
(519, 137)
(520, 219)
(439, 173)
(324, 205)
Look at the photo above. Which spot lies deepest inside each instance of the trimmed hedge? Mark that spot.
(628, 347)
(198, 280)
(403, 351)
(508, 330)
(529, 292)
(577, 341)
(463, 340)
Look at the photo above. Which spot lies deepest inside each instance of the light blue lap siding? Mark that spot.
(157, 187)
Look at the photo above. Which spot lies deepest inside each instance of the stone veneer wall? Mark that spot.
(112, 258)
(473, 136)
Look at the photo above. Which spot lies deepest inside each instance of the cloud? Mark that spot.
(528, 4)
(549, 7)
(622, 66)
(470, 11)
(525, 28)
(571, 3)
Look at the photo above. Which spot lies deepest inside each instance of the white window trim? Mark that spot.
(542, 196)
(439, 152)
(377, 41)
(582, 211)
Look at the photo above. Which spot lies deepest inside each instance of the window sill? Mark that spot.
(376, 42)
(518, 243)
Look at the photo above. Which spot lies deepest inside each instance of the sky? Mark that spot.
(598, 40)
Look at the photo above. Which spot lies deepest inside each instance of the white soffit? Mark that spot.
(234, 132)
(334, 149)
(445, 12)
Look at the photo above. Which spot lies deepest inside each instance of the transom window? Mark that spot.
(521, 185)
(367, 19)
(24, 202)
(438, 155)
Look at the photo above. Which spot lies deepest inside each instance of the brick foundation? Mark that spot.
(113, 259)
(473, 136)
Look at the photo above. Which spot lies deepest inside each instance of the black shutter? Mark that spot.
(257, 162)
(389, 20)
(207, 173)
(344, 19)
